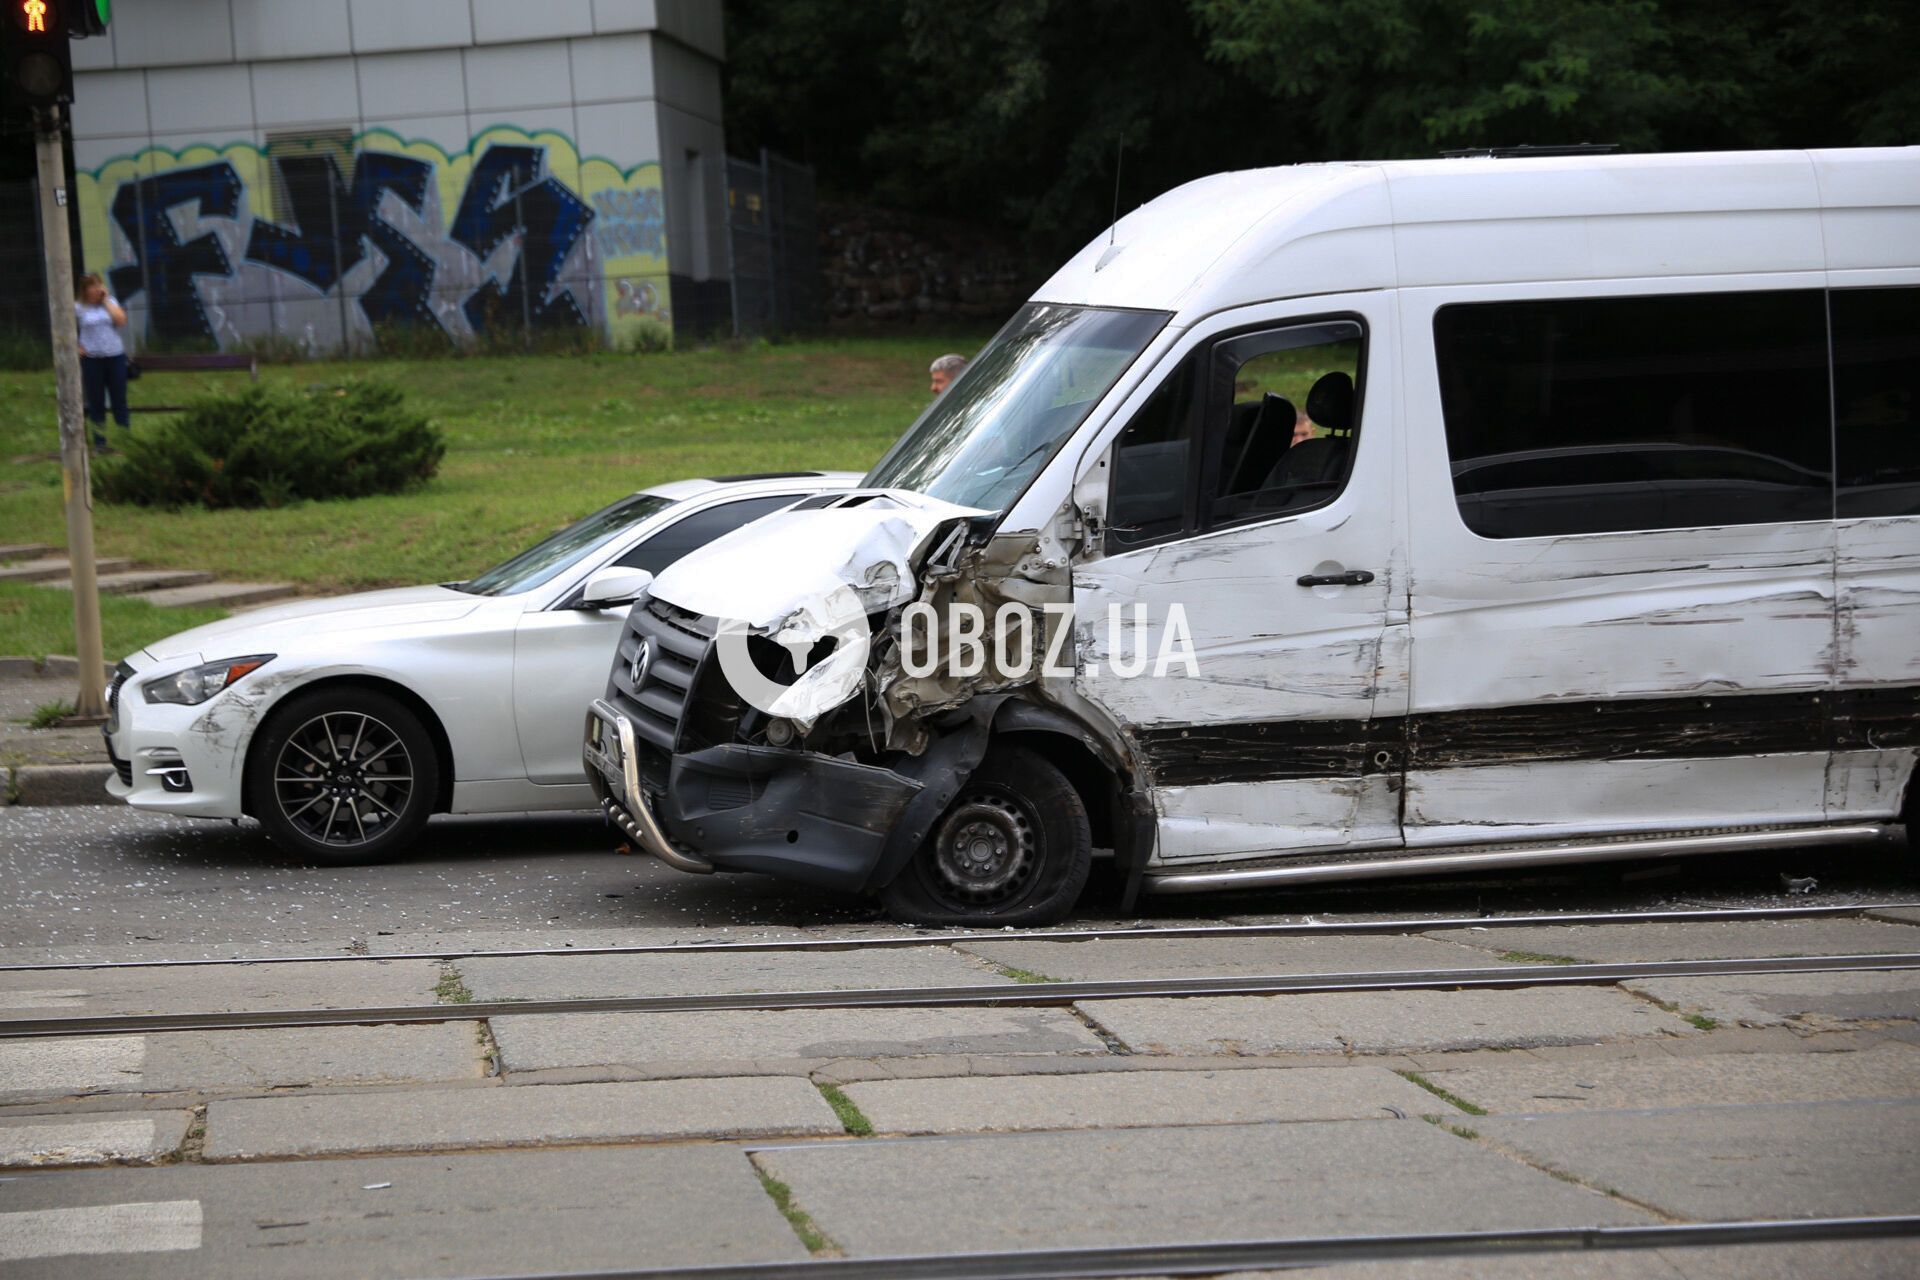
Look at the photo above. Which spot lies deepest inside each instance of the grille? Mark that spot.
(657, 703)
(120, 674)
(122, 767)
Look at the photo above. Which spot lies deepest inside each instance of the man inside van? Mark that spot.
(944, 370)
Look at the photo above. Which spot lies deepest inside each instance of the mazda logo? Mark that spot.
(642, 657)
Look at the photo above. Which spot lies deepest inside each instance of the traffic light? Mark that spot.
(88, 17)
(38, 62)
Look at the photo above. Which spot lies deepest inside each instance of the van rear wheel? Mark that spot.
(1014, 848)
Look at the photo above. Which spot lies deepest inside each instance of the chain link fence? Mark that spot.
(773, 234)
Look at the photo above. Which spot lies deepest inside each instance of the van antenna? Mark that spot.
(1119, 152)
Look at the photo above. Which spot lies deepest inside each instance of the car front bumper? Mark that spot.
(158, 746)
(808, 818)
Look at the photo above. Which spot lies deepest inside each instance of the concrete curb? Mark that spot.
(59, 784)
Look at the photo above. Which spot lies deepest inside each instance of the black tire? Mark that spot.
(1014, 848)
(363, 801)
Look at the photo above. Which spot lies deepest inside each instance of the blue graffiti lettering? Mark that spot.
(164, 267)
(508, 195)
(333, 224)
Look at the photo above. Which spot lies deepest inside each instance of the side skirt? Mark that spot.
(1512, 856)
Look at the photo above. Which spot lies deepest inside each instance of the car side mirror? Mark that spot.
(613, 586)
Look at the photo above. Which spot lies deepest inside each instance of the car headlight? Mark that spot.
(196, 684)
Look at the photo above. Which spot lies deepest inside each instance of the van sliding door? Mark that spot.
(1623, 556)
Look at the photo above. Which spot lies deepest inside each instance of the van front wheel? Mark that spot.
(1013, 848)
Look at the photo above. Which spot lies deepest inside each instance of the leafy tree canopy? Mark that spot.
(1015, 112)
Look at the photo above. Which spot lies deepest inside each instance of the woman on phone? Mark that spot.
(103, 355)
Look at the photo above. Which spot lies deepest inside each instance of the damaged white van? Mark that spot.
(1334, 522)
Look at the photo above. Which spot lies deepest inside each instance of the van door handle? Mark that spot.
(1351, 578)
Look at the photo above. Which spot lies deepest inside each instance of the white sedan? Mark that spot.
(343, 724)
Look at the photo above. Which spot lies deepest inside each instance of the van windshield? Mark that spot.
(1016, 403)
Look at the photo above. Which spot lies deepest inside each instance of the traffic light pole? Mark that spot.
(90, 703)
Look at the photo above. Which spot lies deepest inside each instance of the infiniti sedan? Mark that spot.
(343, 724)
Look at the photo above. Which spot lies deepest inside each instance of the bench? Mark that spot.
(195, 362)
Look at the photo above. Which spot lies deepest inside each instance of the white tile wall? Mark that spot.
(411, 84)
(623, 15)
(507, 21)
(449, 133)
(305, 91)
(622, 132)
(531, 119)
(288, 28)
(95, 53)
(109, 103)
(514, 77)
(163, 33)
(687, 80)
(380, 25)
(612, 68)
(218, 101)
(90, 153)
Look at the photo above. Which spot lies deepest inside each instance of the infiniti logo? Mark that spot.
(642, 657)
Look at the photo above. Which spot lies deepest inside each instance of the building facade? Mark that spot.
(320, 173)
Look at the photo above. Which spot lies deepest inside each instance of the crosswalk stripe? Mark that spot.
(159, 1226)
(80, 1064)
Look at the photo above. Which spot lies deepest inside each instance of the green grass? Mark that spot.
(37, 621)
(1022, 975)
(815, 1240)
(1536, 957)
(49, 714)
(852, 1119)
(1414, 1077)
(452, 988)
(533, 443)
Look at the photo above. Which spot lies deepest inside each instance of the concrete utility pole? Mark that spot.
(90, 703)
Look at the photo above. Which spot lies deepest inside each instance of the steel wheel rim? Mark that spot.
(985, 849)
(343, 779)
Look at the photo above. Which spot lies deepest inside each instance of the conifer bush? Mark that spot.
(268, 447)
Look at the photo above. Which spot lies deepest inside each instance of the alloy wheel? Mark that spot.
(343, 778)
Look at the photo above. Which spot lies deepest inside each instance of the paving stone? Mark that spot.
(541, 1041)
(32, 1070)
(1135, 1186)
(1695, 940)
(1835, 1260)
(565, 977)
(1808, 1001)
(220, 594)
(1120, 958)
(1902, 915)
(1889, 1071)
(488, 1213)
(10, 551)
(1381, 1021)
(1139, 1099)
(534, 1115)
(480, 940)
(220, 988)
(40, 1141)
(1794, 1160)
(62, 784)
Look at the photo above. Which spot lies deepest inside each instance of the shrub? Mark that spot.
(267, 447)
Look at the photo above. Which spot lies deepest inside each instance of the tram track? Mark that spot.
(994, 995)
(1294, 929)
(1235, 1256)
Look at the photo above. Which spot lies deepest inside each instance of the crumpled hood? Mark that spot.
(764, 573)
(267, 630)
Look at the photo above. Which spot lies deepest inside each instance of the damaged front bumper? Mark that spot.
(814, 819)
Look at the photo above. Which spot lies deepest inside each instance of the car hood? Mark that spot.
(266, 630)
(780, 565)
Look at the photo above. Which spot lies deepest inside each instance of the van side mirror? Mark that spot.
(613, 586)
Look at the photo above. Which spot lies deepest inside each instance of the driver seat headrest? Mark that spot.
(1330, 402)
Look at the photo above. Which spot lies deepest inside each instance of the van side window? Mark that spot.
(1597, 415)
(1152, 465)
(1876, 400)
(1282, 420)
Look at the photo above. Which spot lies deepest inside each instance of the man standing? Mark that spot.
(944, 370)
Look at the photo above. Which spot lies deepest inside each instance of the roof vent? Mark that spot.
(1525, 151)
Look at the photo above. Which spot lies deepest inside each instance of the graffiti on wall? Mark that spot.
(335, 243)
